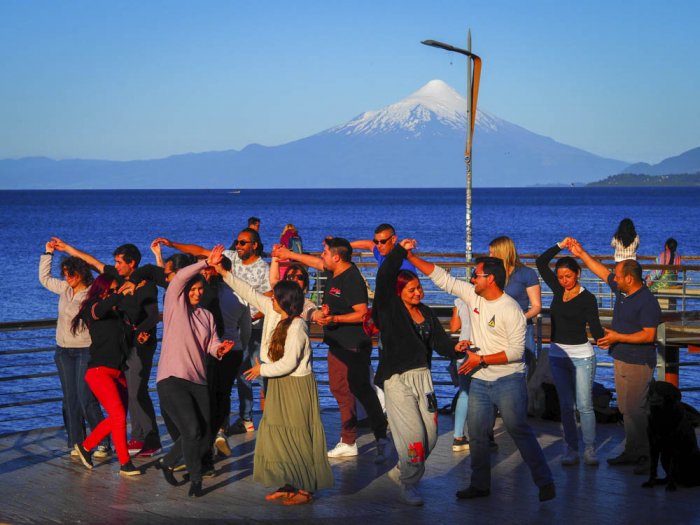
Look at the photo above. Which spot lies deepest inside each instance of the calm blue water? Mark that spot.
(98, 221)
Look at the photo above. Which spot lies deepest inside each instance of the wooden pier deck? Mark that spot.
(41, 484)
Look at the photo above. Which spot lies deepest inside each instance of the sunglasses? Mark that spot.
(381, 241)
(475, 275)
(294, 277)
(242, 243)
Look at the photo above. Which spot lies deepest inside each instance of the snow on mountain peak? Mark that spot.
(435, 101)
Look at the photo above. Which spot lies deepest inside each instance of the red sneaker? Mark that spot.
(148, 452)
(134, 447)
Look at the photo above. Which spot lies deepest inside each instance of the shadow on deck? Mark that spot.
(41, 483)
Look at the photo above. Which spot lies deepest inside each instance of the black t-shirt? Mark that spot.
(341, 293)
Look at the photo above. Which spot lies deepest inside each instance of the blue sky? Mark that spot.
(135, 80)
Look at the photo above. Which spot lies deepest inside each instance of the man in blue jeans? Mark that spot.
(498, 372)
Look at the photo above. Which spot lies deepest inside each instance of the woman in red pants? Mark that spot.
(105, 374)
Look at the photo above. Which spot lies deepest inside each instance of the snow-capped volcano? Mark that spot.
(435, 102)
(415, 142)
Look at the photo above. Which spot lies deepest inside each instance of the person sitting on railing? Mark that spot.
(72, 350)
(498, 334)
(571, 357)
(668, 277)
(636, 315)
(105, 373)
(410, 332)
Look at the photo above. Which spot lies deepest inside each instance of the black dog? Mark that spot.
(672, 438)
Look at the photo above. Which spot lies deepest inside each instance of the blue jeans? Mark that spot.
(78, 400)
(461, 408)
(509, 395)
(573, 378)
(245, 387)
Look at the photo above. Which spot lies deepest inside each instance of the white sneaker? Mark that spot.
(102, 452)
(383, 450)
(570, 458)
(410, 495)
(343, 450)
(590, 457)
(395, 474)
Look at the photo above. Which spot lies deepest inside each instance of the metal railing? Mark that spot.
(31, 390)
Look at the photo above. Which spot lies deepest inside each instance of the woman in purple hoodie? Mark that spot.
(189, 334)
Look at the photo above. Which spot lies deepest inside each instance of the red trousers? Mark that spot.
(109, 387)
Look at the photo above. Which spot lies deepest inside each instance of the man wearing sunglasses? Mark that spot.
(245, 254)
(497, 369)
(380, 246)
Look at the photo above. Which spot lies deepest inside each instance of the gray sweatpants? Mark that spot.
(412, 411)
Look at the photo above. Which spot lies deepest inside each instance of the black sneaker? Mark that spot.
(242, 426)
(622, 459)
(547, 492)
(128, 469)
(84, 456)
(459, 444)
(472, 492)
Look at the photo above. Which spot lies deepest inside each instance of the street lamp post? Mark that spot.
(473, 75)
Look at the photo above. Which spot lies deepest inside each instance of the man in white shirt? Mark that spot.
(498, 372)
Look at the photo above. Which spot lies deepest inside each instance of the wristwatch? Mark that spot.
(482, 363)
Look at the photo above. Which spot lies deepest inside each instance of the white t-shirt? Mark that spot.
(256, 274)
(496, 326)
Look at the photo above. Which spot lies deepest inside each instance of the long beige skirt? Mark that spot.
(291, 444)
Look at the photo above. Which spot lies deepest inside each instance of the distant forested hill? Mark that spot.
(633, 179)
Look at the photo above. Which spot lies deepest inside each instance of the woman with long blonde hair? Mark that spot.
(523, 285)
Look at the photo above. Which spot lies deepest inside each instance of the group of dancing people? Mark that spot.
(229, 315)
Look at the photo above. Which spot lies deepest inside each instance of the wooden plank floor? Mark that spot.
(41, 483)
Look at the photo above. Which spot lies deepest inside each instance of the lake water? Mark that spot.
(98, 221)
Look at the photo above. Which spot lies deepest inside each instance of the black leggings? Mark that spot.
(186, 406)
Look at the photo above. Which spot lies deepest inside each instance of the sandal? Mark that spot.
(300, 498)
(283, 492)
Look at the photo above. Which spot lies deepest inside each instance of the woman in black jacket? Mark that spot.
(409, 333)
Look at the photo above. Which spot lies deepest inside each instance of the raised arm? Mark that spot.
(362, 244)
(48, 281)
(62, 246)
(192, 249)
(548, 276)
(592, 264)
(274, 271)
(312, 261)
(386, 275)
(155, 248)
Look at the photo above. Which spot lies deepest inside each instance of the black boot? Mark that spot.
(168, 473)
(195, 489)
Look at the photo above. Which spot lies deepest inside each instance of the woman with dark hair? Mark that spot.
(72, 350)
(297, 273)
(571, 356)
(105, 373)
(189, 334)
(410, 332)
(665, 278)
(625, 241)
(290, 449)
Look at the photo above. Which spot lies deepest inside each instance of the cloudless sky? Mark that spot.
(147, 79)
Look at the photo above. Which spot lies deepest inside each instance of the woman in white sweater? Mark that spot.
(290, 450)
